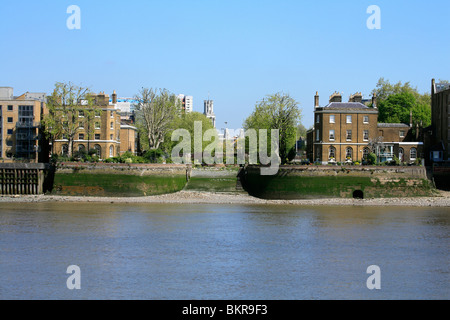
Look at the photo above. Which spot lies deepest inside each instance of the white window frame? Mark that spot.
(364, 119)
(348, 119)
(366, 135)
(332, 135)
(349, 133)
(411, 154)
(332, 119)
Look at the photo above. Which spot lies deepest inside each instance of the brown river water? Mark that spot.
(222, 251)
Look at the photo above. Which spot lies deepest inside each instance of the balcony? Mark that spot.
(30, 124)
(26, 137)
(27, 149)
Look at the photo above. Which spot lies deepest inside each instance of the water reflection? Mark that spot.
(160, 251)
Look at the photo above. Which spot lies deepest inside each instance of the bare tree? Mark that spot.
(64, 107)
(155, 112)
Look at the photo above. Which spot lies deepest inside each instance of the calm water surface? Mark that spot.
(165, 251)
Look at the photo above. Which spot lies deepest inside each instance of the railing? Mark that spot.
(30, 149)
(386, 155)
(26, 136)
(31, 124)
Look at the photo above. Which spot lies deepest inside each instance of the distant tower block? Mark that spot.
(209, 111)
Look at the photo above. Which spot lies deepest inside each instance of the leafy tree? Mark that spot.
(277, 111)
(155, 111)
(397, 108)
(187, 121)
(65, 105)
(396, 101)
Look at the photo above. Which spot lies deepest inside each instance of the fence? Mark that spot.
(22, 178)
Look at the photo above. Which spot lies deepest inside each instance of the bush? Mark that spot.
(154, 156)
(372, 158)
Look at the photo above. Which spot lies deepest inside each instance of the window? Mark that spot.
(366, 119)
(112, 125)
(401, 153)
(317, 119)
(112, 114)
(9, 143)
(81, 136)
(10, 108)
(97, 136)
(81, 148)
(349, 119)
(413, 154)
(349, 153)
(366, 135)
(332, 119)
(317, 135)
(366, 152)
(331, 135)
(111, 151)
(65, 149)
(97, 125)
(10, 131)
(81, 114)
(349, 135)
(402, 134)
(10, 119)
(332, 153)
(97, 114)
(111, 137)
(98, 150)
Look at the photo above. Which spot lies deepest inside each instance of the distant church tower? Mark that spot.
(209, 111)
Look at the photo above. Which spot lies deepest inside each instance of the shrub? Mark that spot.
(154, 156)
(372, 158)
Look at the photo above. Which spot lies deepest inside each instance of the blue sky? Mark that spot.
(235, 51)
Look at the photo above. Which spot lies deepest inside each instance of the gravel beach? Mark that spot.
(193, 197)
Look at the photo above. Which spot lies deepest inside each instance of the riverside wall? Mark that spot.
(118, 180)
(312, 182)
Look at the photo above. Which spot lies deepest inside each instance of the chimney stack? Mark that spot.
(336, 97)
(374, 100)
(114, 97)
(316, 100)
(357, 97)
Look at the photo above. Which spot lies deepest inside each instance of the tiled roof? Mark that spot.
(346, 105)
(392, 125)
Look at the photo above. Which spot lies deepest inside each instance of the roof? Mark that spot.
(346, 105)
(392, 125)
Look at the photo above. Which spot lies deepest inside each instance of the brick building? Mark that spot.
(105, 134)
(21, 138)
(349, 131)
(438, 134)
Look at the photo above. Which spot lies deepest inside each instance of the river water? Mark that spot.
(222, 252)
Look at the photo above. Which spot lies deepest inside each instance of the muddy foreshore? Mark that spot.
(193, 197)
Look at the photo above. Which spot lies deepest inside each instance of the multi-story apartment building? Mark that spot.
(439, 137)
(349, 131)
(187, 103)
(209, 111)
(21, 138)
(101, 133)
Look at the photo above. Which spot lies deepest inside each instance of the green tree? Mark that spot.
(67, 107)
(396, 101)
(277, 111)
(187, 121)
(398, 107)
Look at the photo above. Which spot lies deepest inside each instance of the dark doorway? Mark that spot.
(358, 194)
